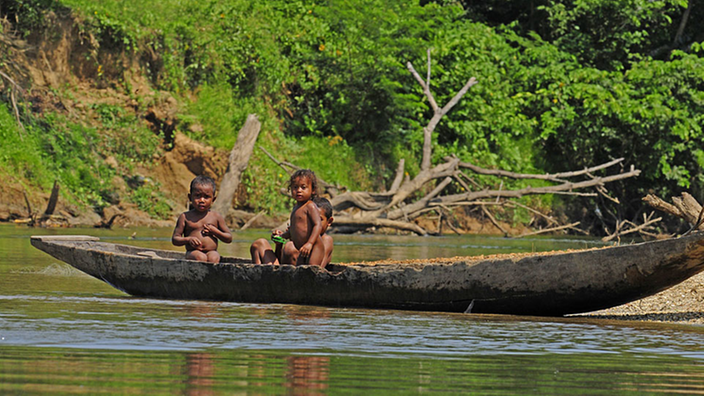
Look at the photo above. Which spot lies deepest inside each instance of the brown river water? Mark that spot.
(63, 332)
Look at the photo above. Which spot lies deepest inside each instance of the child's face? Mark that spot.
(323, 222)
(202, 197)
(301, 189)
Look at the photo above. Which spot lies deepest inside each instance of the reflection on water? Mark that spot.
(63, 332)
(60, 371)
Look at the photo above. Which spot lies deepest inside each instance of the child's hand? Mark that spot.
(305, 249)
(210, 230)
(277, 236)
(194, 242)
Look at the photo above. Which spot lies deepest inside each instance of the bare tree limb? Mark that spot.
(53, 200)
(556, 177)
(12, 97)
(565, 187)
(618, 233)
(407, 198)
(377, 222)
(683, 24)
(546, 230)
(471, 82)
(290, 168)
(546, 217)
(251, 221)
(657, 203)
(438, 112)
(399, 176)
(493, 220)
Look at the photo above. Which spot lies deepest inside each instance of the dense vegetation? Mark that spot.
(562, 85)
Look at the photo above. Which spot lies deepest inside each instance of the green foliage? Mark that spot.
(70, 152)
(150, 199)
(562, 85)
(608, 34)
(28, 15)
(124, 136)
(55, 150)
(20, 150)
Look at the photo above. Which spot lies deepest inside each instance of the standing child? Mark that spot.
(200, 228)
(305, 226)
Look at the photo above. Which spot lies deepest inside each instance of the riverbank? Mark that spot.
(682, 303)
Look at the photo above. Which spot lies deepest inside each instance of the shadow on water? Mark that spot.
(64, 332)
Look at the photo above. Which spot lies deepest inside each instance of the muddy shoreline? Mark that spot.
(682, 304)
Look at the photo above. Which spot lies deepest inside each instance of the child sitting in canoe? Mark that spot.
(305, 225)
(263, 254)
(200, 228)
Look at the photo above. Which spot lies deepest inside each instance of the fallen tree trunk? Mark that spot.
(685, 207)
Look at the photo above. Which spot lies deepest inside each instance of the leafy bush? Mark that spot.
(151, 200)
(330, 85)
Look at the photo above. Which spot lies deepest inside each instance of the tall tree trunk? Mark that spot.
(237, 163)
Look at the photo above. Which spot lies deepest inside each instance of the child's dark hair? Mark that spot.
(203, 181)
(310, 175)
(324, 205)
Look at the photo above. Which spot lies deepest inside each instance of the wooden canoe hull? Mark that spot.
(545, 285)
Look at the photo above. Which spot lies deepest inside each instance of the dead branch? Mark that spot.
(407, 198)
(556, 177)
(438, 112)
(237, 163)
(561, 188)
(12, 98)
(620, 231)
(688, 206)
(53, 199)
(399, 176)
(657, 203)
(290, 168)
(549, 219)
(30, 213)
(108, 224)
(251, 221)
(553, 229)
(685, 207)
(377, 222)
(493, 221)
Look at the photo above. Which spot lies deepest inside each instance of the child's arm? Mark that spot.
(177, 238)
(219, 230)
(327, 242)
(313, 215)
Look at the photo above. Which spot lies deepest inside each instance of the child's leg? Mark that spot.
(213, 256)
(317, 255)
(289, 254)
(196, 255)
(257, 249)
(262, 253)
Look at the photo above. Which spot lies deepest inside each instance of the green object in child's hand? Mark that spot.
(278, 239)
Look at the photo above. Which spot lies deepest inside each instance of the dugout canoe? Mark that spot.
(540, 284)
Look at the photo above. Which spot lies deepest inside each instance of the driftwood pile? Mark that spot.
(408, 199)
